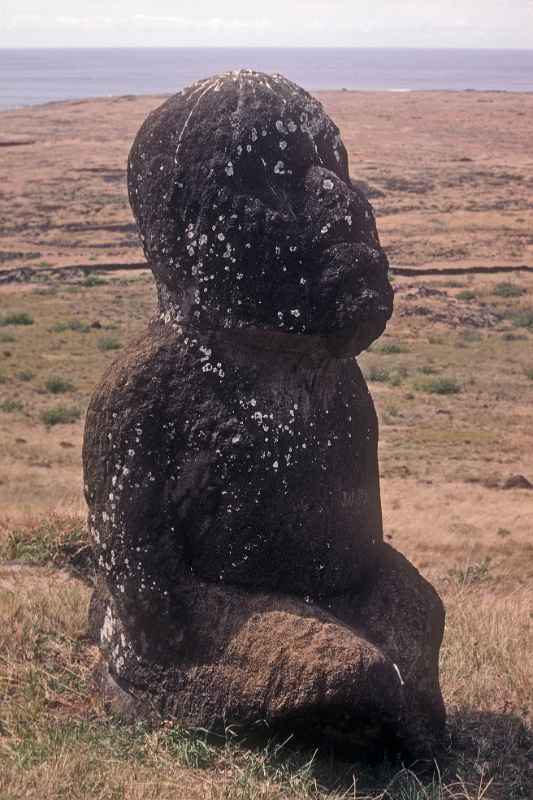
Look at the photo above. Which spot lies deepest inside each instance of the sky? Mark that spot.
(289, 23)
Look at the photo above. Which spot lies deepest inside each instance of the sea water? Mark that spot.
(29, 76)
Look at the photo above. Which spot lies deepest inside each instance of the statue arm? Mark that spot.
(125, 468)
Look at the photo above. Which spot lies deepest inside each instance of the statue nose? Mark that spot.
(344, 277)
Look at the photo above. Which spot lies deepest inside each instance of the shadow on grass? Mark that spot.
(485, 756)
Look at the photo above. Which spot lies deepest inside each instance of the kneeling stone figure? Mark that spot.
(230, 453)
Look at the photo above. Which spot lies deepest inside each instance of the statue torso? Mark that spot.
(265, 463)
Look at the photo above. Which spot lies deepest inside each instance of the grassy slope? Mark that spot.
(456, 420)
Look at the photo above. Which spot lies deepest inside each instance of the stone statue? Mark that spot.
(231, 452)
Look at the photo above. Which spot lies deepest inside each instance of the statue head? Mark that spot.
(248, 218)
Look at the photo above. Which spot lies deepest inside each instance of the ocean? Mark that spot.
(33, 76)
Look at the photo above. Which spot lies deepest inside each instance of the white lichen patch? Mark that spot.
(108, 627)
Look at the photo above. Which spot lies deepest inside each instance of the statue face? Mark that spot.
(241, 190)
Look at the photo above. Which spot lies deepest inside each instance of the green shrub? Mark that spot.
(472, 574)
(56, 385)
(7, 338)
(8, 406)
(391, 348)
(507, 289)
(523, 318)
(395, 379)
(440, 386)
(390, 414)
(466, 294)
(529, 374)
(60, 415)
(24, 375)
(17, 318)
(72, 325)
(378, 374)
(93, 280)
(109, 343)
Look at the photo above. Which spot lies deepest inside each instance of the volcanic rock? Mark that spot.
(230, 453)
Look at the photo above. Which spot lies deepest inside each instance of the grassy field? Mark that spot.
(452, 380)
(449, 174)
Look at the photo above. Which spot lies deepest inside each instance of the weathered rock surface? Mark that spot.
(231, 454)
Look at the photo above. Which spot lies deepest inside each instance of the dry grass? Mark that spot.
(58, 741)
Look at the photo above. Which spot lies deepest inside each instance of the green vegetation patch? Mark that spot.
(466, 294)
(9, 406)
(440, 386)
(507, 289)
(391, 348)
(57, 541)
(57, 385)
(523, 318)
(25, 376)
(109, 343)
(93, 280)
(72, 325)
(472, 573)
(17, 318)
(60, 415)
(378, 374)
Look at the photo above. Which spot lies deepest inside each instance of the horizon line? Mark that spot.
(262, 47)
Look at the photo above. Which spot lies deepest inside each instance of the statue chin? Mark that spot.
(352, 342)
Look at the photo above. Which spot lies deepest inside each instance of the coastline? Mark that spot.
(314, 91)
